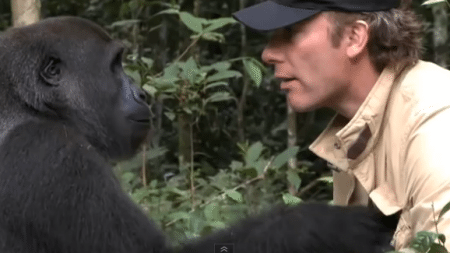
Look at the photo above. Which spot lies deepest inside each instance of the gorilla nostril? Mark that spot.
(140, 95)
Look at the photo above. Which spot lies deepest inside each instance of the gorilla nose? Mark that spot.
(139, 95)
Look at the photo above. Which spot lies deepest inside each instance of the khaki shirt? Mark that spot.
(396, 150)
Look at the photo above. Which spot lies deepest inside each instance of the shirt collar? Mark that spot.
(345, 143)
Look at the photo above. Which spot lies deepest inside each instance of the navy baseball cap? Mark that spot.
(274, 14)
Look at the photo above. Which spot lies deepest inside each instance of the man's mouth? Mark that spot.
(284, 83)
(286, 79)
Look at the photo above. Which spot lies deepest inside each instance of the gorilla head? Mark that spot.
(70, 70)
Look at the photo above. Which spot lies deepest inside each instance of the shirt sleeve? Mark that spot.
(427, 172)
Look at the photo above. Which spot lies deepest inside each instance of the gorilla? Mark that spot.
(67, 111)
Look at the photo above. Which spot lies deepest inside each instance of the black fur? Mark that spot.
(307, 228)
(66, 111)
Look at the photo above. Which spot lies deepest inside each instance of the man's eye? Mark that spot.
(289, 29)
(288, 32)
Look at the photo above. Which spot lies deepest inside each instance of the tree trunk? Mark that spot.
(291, 142)
(440, 34)
(246, 83)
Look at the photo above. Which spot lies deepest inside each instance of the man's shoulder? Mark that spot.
(423, 78)
(423, 87)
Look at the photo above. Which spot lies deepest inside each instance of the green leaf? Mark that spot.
(218, 224)
(153, 184)
(253, 71)
(441, 238)
(172, 71)
(192, 22)
(291, 200)
(179, 216)
(284, 157)
(260, 165)
(212, 212)
(236, 196)
(444, 210)
(177, 191)
(134, 75)
(189, 70)
(155, 152)
(127, 177)
(326, 179)
(140, 194)
(236, 165)
(149, 62)
(219, 96)
(223, 65)
(170, 115)
(423, 241)
(134, 5)
(253, 153)
(124, 10)
(168, 11)
(218, 37)
(128, 22)
(429, 2)
(164, 84)
(150, 89)
(215, 24)
(293, 179)
(437, 248)
(216, 84)
(223, 75)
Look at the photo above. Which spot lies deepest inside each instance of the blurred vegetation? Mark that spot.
(218, 145)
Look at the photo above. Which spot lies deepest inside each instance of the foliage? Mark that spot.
(244, 188)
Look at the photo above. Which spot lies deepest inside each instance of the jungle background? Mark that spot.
(223, 145)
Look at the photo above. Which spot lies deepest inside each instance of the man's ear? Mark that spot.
(357, 36)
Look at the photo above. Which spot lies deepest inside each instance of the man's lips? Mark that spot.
(285, 82)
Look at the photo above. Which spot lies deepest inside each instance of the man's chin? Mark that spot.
(300, 106)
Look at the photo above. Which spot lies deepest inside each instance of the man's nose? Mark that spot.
(271, 53)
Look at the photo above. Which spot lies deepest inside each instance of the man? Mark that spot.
(388, 141)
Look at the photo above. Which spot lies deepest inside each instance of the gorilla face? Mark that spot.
(79, 78)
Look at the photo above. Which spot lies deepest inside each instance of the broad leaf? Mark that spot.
(223, 65)
(253, 153)
(253, 71)
(215, 24)
(216, 84)
(223, 75)
(128, 22)
(284, 157)
(192, 22)
(444, 210)
(293, 179)
(236, 196)
(219, 96)
(291, 200)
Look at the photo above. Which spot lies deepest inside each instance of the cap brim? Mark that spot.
(269, 16)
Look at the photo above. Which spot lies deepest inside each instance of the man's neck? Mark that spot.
(362, 76)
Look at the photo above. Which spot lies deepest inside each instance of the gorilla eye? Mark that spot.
(117, 61)
(52, 68)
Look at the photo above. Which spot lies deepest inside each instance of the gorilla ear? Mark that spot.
(51, 72)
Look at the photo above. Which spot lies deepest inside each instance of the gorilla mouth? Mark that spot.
(141, 121)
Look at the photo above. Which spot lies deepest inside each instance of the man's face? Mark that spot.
(311, 70)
